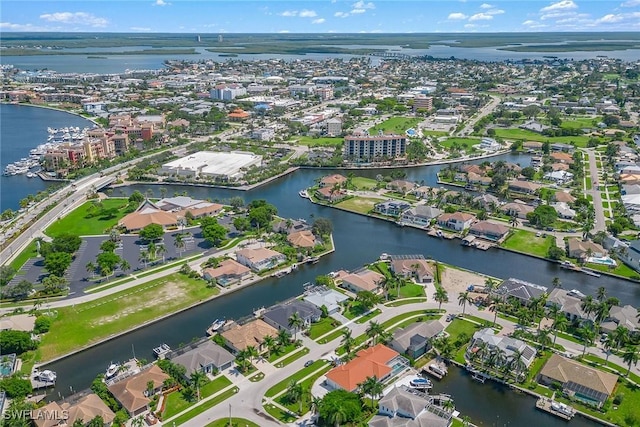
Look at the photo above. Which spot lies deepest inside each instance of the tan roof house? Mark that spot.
(563, 197)
(488, 230)
(239, 337)
(582, 249)
(412, 267)
(132, 392)
(561, 157)
(227, 272)
(362, 280)
(18, 322)
(524, 186)
(520, 210)
(260, 258)
(330, 194)
(148, 213)
(457, 221)
(579, 381)
(401, 186)
(331, 180)
(302, 239)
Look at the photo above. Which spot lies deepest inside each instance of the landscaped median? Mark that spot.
(175, 402)
(202, 406)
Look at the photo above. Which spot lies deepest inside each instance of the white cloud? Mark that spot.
(10, 26)
(495, 12)
(486, 6)
(532, 25)
(161, 3)
(561, 5)
(144, 29)
(363, 5)
(82, 18)
(284, 31)
(341, 14)
(481, 17)
(357, 11)
(456, 16)
(616, 18)
(289, 13)
(307, 13)
(318, 21)
(631, 3)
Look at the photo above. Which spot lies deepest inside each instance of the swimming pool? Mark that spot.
(411, 132)
(601, 260)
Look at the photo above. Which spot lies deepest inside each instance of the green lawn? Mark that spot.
(282, 385)
(359, 204)
(235, 422)
(460, 326)
(82, 222)
(82, 325)
(411, 290)
(197, 410)
(400, 302)
(286, 350)
(397, 125)
(176, 404)
(332, 336)
(621, 269)
(30, 251)
(523, 134)
(306, 385)
(369, 316)
(354, 310)
(320, 142)
(466, 143)
(526, 241)
(362, 183)
(322, 327)
(580, 122)
(295, 356)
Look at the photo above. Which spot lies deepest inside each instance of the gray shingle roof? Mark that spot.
(209, 353)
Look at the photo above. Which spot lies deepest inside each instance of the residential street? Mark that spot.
(600, 224)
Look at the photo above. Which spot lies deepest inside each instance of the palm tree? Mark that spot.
(588, 334)
(620, 336)
(497, 357)
(269, 342)
(602, 312)
(374, 330)
(162, 251)
(524, 316)
(445, 347)
(179, 244)
(463, 299)
(608, 346)
(295, 393)
(494, 306)
(337, 415)
(516, 364)
(296, 322)
(513, 221)
(242, 359)
(124, 265)
(347, 340)
(372, 387)
(440, 296)
(144, 257)
(543, 338)
(91, 268)
(588, 305)
(252, 352)
(197, 379)
(284, 337)
(630, 356)
(601, 294)
(482, 351)
(556, 282)
(560, 324)
(490, 285)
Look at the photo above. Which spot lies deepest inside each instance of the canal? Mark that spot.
(358, 240)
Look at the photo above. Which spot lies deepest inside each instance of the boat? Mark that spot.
(569, 266)
(161, 350)
(437, 370)
(217, 324)
(481, 377)
(112, 370)
(31, 175)
(303, 194)
(562, 408)
(421, 383)
(46, 376)
(558, 409)
(313, 260)
(590, 272)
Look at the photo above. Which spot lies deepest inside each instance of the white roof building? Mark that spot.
(216, 165)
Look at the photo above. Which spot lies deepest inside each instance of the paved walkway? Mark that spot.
(600, 224)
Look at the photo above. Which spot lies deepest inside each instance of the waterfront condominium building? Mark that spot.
(363, 147)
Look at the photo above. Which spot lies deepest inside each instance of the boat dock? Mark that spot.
(435, 369)
(558, 409)
(161, 351)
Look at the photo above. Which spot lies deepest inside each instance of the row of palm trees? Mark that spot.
(495, 358)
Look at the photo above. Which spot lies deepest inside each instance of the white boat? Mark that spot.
(562, 408)
(437, 370)
(161, 350)
(421, 383)
(46, 376)
(303, 194)
(217, 324)
(112, 370)
(31, 175)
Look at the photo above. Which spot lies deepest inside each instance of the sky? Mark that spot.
(319, 16)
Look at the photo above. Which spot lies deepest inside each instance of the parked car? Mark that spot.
(308, 363)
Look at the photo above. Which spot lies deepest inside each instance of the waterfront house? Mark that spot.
(568, 302)
(582, 249)
(413, 267)
(563, 197)
(562, 157)
(332, 180)
(577, 380)
(525, 187)
(251, 334)
(422, 192)
(626, 316)
(287, 226)
(458, 221)
(488, 230)
(329, 298)
(415, 339)
(503, 343)
(302, 239)
(391, 207)
(148, 213)
(260, 259)
(18, 322)
(82, 410)
(517, 209)
(486, 201)
(208, 358)
(330, 194)
(563, 210)
(401, 407)
(420, 216)
(278, 316)
(227, 272)
(475, 179)
(520, 290)
(182, 204)
(133, 392)
(361, 280)
(378, 361)
(560, 177)
(401, 186)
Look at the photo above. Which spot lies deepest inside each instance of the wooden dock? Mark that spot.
(563, 411)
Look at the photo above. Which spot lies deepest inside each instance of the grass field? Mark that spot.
(523, 134)
(176, 403)
(397, 125)
(580, 122)
(466, 143)
(621, 270)
(28, 252)
(527, 242)
(359, 204)
(84, 324)
(362, 183)
(282, 385)
(80, 222)
(204, 406)
(319, 142)
(322, 327)
(459, 326)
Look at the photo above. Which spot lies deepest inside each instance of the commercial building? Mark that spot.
(212, 165)
(361, 147)
(227, 92)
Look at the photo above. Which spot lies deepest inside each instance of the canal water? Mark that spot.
(358, 240)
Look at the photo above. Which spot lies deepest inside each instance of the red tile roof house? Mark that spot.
(378, 361)
(328, 193)
(131, 392)
(227, 272)
(260, 259)
(458, 221)
(331, 180)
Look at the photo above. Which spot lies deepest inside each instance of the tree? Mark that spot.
(214, 233)
(56, 263)
(53, 284)
(136, 197)
(16, 342)
(630, 356)
(588, 334)
(15, 386)
(107, 262)
(6, 274)
(619, 336)
(555, 252)
(179, 243)
(322, 227)
(297, 323)
(367, 298)
(197, 379)
(440, 296)
(374, 330)
(236, 202)
(241, 223)
(19, 291)
(340, 406)
(560, 324)
(91, 268)
(42, 324)
(284, 337)
(556, 282)
(463, 299)
(295, 393)
(151, 232)
(542, 216)
(66, 243)
(347, 340)
(372, 387)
